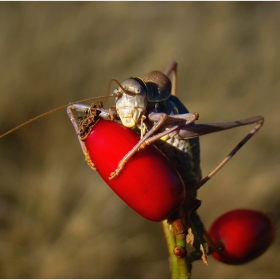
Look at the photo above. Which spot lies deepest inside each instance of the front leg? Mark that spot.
(88, 110)
(161, 118)
(83, 108)
(157, 125)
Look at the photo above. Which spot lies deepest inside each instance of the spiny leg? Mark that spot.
(137, 146)
(197, 226)
(162, 118)
(186, 118)
(70, 111)
(197, 130)
(172, 68)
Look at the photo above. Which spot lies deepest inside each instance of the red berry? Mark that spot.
(242, 234)
(148, 183)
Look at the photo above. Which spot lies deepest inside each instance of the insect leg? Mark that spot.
(162, 118)
(186, 118)
(84, 109)
(172, 68)
(70, 111)
(188, 132)
(202, 129)
(78, 108)
(154, 117)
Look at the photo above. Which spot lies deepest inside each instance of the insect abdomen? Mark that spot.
(184, 154)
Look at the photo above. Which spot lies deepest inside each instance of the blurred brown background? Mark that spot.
(57, 217)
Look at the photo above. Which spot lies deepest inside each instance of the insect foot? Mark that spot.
(116, 172)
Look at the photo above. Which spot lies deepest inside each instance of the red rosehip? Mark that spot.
(242, 235)
(148, 183)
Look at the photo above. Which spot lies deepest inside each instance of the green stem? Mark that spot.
(176, 243)
(170, 240)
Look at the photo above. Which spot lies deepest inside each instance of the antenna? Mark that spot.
(50, 112)
(64, 106)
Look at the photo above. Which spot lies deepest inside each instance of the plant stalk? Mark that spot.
(175, 234)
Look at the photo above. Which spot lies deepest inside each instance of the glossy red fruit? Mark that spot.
(148, 183)
(243, 234)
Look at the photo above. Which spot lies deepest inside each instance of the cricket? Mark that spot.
(149, 130)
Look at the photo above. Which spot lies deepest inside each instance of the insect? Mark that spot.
(148, 107)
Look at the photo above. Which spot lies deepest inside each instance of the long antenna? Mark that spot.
(50, 112)
(64, 106)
